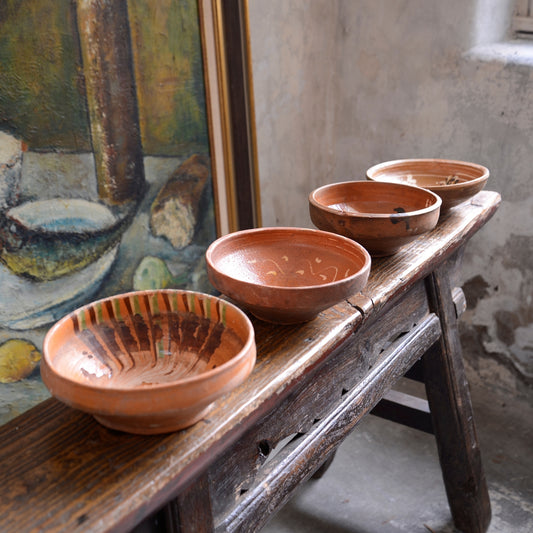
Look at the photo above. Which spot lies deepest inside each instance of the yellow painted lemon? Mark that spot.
(18, 358)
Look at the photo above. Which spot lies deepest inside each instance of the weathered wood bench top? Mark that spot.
(62, 471)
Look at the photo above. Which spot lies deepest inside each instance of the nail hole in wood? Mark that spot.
(264, 448)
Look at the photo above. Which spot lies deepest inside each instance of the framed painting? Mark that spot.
(127, 146)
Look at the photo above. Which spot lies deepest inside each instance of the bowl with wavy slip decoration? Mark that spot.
(287, 275)
(148, 362)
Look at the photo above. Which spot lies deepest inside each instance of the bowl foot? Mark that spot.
(152, 425)
(283, 319)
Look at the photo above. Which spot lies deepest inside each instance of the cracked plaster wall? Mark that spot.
(343, 84)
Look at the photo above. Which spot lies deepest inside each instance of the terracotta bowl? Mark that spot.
(287, 275)
(454, 181)
(381, 216)
(149, 361)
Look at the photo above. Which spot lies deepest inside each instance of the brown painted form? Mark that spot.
(174, 212)
(62, 471)
(112, 99)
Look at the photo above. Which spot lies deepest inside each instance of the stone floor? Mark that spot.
(386, 478)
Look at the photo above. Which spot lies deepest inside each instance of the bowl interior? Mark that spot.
(141, 340)
(368, 199)
(429, 173)
(65, 215)
(286, 257)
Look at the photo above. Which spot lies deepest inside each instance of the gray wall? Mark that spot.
(343, 84)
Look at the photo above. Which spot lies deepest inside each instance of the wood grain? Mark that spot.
(61, 471)
(453, 419)
(300, 460)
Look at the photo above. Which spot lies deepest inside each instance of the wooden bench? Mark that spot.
(62, 471)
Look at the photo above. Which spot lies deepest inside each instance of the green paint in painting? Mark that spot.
(42, 98)
(169, 74)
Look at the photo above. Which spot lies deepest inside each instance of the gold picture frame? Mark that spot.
(230, 102)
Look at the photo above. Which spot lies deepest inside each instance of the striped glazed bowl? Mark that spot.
(149, 361)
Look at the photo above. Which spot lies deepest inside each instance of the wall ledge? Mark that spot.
(517, 52)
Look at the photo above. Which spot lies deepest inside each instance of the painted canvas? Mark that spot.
(105, 172)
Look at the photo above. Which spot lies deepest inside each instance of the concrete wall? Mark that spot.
(343, 84)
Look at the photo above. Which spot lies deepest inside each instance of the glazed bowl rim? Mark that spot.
(370, 216)
(138, 390)
(286, 229)
(385, 164)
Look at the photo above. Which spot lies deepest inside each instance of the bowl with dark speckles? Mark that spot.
(381, 216)
(454, 181)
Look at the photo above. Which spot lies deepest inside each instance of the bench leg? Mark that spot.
(191, 512)
(451, 408)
